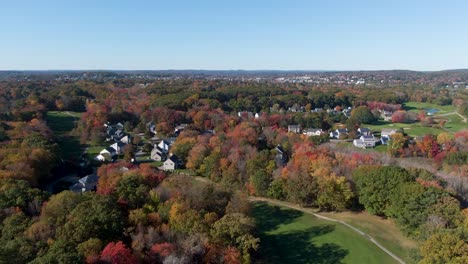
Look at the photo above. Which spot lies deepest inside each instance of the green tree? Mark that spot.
(60, 252)
(377, 184)
(276, 189)
(13, 244)
(411, 205)
(235, 230)
(18, 193)
(132, 191)
(97, 217)
(363, 115)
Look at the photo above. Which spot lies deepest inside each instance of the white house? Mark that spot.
(386, 115)
(180, 127)
(387, 132)
(172, 163)
(109, 151)
(312, 132)
(118, 147)
(164, 145)
(157, 154)
(364, 131)
(126, 139)
(294, 129)
(100, 158)
(364, 142)
(338, 132)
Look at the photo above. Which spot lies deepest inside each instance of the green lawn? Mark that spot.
(62, 123)
(454, 123)
(93, 151)
(413, 130)
(416, 107)
(291, 236)
(383, 230)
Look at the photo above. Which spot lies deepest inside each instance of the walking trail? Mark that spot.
(309, 211)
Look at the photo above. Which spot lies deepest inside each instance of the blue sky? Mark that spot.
(240, 34)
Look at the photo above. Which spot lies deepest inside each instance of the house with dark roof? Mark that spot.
(157, 154)
(364, 131)
(338, 132)
(172, 163)
(281, 157)
(365, 142)
(85, 184)
(118, 147)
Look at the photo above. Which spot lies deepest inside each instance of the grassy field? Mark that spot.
(62, 123)
(291, 236)
(416, 107)
(454, 122)
(413, 130)
(383, 230)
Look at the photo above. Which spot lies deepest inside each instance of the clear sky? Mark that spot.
(235, 34)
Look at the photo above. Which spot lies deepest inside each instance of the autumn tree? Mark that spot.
(444, 247)
(117, 253)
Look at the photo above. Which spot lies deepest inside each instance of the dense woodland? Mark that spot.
(143, 215)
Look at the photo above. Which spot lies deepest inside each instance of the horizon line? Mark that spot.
(225, 70)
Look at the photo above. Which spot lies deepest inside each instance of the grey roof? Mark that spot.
(92, 178)
(174, 158)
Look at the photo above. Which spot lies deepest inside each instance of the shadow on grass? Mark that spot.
(60, 122)
(295, 246)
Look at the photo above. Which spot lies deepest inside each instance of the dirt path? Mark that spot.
(453, 113)
(309, 211)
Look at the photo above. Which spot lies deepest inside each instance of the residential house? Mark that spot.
(126, 139)
(387, 132)
(294, 129)
(245, 114)
(119, 126)
(296, 108)
(164, 145)
(151, 127)
(85, 184)
(364, 142)
(281, 156)
(347, 112)
(108, 152)
(158, 154)
(312, 132)
(172, 163)
(118, 147)
(364, 131)
(337, 133)
(180, 128)
(100, 158)
(386, 115)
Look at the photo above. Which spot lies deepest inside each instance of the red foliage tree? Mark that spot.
(163, 249)
(117, 253)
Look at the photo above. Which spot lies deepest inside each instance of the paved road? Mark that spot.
(309, 211)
